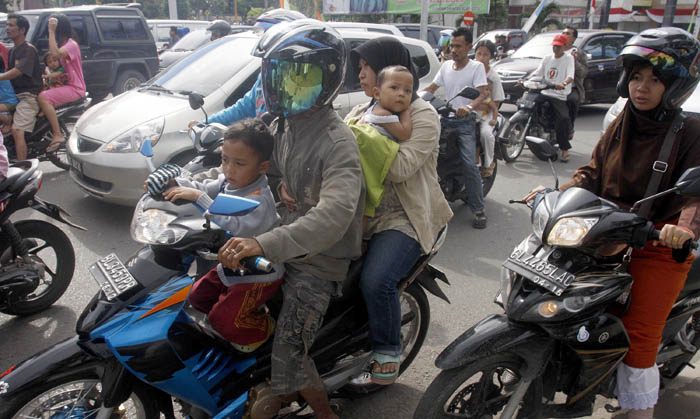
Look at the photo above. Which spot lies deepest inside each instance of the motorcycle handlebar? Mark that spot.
(688, 245)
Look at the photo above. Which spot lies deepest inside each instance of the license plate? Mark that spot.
(78, 166)
(112, 276)
(539, 271)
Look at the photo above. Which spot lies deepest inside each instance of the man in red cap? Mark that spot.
(558, 69)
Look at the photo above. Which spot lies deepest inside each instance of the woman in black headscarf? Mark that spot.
(410, 215)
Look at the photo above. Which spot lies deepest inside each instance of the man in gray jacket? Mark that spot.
(318, 157)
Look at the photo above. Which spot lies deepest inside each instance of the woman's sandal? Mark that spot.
(384, 378)
(54, 145)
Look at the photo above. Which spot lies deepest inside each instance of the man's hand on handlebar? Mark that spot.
(463, 111)
(674, 236)
(531, 195)
(191, 124)
(237, 248)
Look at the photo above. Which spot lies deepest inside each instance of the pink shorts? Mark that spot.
(62, 94)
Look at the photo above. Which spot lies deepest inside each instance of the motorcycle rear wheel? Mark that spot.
(73, 396)
(479, 390)
(48, 243)
(511, 147)
(415, 313)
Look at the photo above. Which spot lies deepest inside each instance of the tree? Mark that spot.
(544, 20)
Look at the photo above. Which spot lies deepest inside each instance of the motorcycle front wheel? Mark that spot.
(415, 318)
(479, 390)
(511, 143)
(78, 395)
(50, 246)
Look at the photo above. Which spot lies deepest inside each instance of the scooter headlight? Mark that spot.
(570, 231)
(131, 140)
(152, 226)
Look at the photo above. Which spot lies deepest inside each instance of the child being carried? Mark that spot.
(235, 304)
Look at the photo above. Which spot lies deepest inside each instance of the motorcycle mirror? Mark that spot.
(425, 95)
(689, 182)
(232, 205)
(542, 147)
(196, 100)
(469, 93)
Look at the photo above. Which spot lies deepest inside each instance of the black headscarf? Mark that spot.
(384, 52)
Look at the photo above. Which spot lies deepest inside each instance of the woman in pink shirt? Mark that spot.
(63, 47)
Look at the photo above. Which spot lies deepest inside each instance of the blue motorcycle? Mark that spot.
(139, 345)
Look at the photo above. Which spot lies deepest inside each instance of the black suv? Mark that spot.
(116, 45)
(601, 46)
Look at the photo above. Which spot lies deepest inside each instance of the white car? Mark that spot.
(103, 147)
(691, 106)
(160, 28)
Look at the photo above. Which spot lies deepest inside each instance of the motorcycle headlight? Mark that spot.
(570, 231)
(539, 219)
(131, 140)
(152, 226)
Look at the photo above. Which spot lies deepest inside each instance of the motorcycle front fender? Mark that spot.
(62, 358)
(492, 335)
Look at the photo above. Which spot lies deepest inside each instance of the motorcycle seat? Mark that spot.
(17, 175)
(70, 104)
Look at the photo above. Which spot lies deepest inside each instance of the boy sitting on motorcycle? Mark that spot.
(232, 301)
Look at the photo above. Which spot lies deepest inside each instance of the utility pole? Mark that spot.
(604, 14)
(669, 11)
(587, 15)
(172, 9)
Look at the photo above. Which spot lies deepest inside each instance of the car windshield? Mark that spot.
(537, 47)
(192, 40)
(209, 67)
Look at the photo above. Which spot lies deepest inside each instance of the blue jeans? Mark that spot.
(390, 255)
(466, 140)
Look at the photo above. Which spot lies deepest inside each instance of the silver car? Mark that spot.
(103, 147)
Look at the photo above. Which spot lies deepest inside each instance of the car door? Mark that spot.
(595, 76)
(613, 44)
(603, 70)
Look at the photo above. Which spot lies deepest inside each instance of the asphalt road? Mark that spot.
(470, 258)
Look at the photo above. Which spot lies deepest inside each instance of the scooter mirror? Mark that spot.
(146, 148)
(196, 100)
(232, 205)
(425, 95)
(541, 147)
(689, 182)
(469, 93)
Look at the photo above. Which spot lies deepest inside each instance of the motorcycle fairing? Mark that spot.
(494, 334)
(600, 342)
(163, 346)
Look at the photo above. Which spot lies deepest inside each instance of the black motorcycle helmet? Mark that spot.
(219, 29)
(303, 66)
(673, 55)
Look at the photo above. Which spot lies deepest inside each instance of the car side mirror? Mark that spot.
(541, 148)
(469, 93)
(510, 52)
(689, 182)
(196, 100)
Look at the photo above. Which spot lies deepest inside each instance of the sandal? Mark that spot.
(384, 378)
(565, 156)
(54, 146)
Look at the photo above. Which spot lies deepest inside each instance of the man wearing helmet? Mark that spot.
(302, 70)
(219, 29)
(252, 104)
(645, 151)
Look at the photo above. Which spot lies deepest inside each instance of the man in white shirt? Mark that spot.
(455, 75)
(558, 69)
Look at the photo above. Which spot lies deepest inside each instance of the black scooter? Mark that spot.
(39, 139)
(36, 257)
(534, 118)
(558, 334)
(450, 166)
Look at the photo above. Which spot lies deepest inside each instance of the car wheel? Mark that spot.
(127, 80)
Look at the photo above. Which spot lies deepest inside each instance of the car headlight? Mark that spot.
(131, 140)
(539, 219)
(570, 231)
(153, 227)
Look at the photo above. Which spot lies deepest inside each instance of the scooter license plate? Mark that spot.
(539, 271)
(112, 276)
